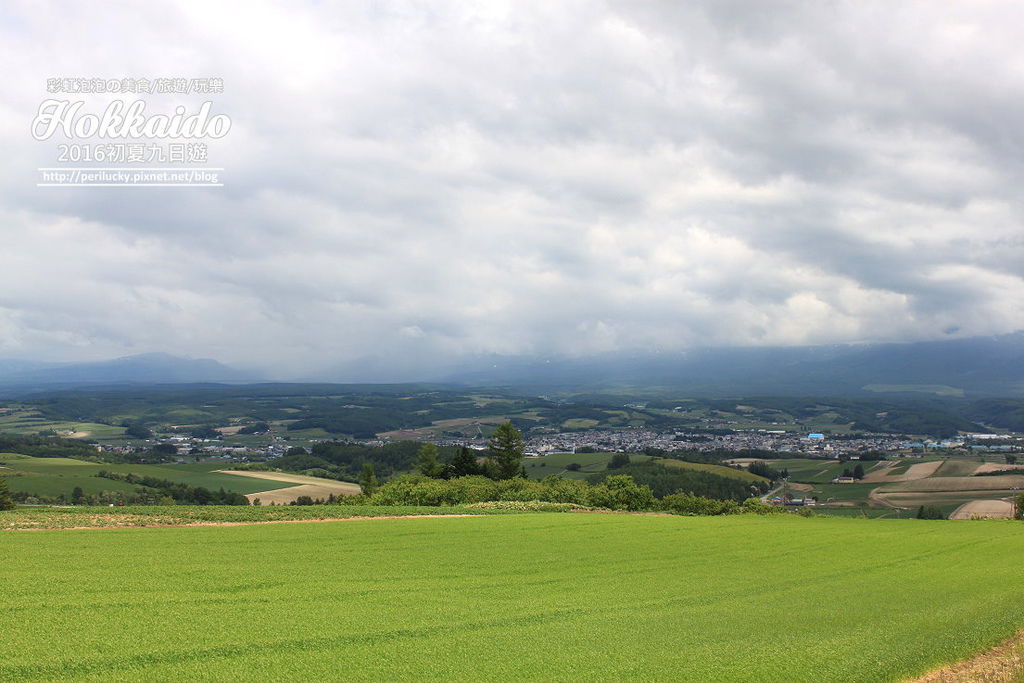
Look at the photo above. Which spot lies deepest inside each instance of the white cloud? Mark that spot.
(422, 183)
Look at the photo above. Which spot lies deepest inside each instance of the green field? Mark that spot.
(53, 476)
(24, 422)
(812, 470)
(720, 470)
(510, 597)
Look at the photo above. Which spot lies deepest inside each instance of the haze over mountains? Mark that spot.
(991, 366)
(147, 368)
(982, 366)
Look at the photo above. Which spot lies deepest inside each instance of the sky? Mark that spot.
(418, 184)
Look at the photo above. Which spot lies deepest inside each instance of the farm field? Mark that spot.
(53, 476)
(79, 517)
(281, 488)
(720, 470)
(587, 596)
(26, 422)
(941, 482)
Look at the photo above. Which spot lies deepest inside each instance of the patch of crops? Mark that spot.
(180, 515)
(510, 597)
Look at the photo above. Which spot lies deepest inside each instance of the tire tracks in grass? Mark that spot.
(73, 668)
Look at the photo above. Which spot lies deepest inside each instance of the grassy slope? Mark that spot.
(52, 476)
(568, 597)
(720, 470)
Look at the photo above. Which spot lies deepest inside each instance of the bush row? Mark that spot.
(617, 492)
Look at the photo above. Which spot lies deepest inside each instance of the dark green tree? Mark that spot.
(506, 450)
(426, 462)
(464, 464)
(858, 471)
(929, 513)
(137, 431)
(6, 502)
(618, 460)
(76, 495)
(368, 479)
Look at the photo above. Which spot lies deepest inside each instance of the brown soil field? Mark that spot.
(229, 431)
(996, 467)
(314, 487)
(921, 470)
(987, 509)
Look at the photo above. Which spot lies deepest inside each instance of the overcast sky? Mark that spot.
(423, 182)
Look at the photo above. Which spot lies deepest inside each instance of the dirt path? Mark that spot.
(880, 501)
(1001, 664)
(986, 509)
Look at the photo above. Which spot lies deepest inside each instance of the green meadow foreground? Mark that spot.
(513, 596)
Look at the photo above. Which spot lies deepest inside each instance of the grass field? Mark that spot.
(811, 470)
(510, 597)
(720, 470)
(53, 476)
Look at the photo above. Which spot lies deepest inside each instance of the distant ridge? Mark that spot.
(979, 366)
(146, 368)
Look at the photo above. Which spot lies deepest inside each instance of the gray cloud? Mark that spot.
(425, 182)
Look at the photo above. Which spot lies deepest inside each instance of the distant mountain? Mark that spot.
(980, 366)
(147, 368)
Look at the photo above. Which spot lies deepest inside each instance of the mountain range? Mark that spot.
(977, 366)
(146, 368)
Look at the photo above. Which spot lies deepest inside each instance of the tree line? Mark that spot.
(180, 493)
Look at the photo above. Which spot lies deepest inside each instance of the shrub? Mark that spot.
(620, 492)
(617, 493)
(928, 512)
(755, 506)
(688, 504)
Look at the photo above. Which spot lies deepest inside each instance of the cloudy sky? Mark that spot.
(423, 182)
